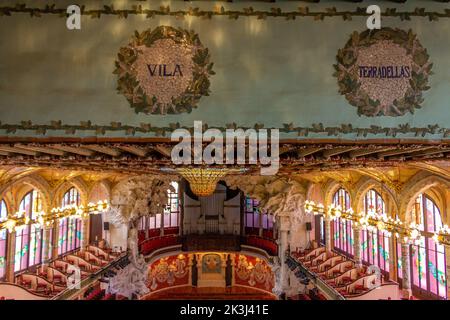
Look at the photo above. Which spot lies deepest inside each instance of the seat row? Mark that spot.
(337, 271)
(53, 277)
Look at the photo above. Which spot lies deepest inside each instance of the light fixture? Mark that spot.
(203, 181)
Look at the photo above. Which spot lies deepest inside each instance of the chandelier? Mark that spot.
(203, 181)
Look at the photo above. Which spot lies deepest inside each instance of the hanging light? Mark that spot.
(203, 181)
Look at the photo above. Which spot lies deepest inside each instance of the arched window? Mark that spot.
(3, 235)
(30, 237)
(172, 210)
(427, 258)
(169, 220)
(343, 231)
(69, 228)
(375, 243)
(256, 219)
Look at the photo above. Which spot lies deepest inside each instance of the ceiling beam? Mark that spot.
(308, 151)
(364, 152)
(140, 152)
(113, 152)
(335, 151)
(41, 149)
(428, 152)
(400, 151)
(166, 152)
(80, 151)
(17, 150)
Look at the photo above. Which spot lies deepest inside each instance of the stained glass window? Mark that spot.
(255, 218)
(29, 238)
(375, 243)
(343, 230)
(3, 239)
(172, 210)
(69, 237)
(427, 258)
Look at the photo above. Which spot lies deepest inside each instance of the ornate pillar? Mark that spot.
(146, 226)
(47, 244)
(328, 237)
(84, 232)
(284, 227)
(260, 231)
(357, 245)
(10, 256)
(393, 259)
(55, 239)
(406, 270)
(447, 254)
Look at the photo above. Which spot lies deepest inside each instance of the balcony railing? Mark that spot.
(208, 242)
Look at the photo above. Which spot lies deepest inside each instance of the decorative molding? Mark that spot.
(274, 12)
(164, 131)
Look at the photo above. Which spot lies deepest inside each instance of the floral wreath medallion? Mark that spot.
(383, 72)
(164, 71)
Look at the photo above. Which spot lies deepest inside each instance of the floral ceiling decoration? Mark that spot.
(383, 72)
(164, 71)
(221, 11)
(279, 196)
(57, 126)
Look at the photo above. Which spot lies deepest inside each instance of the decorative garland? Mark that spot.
(146, 100)
(220, 11)
(350, 83)
(316, 128)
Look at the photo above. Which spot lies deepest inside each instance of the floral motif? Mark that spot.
(399, 90)
(155, 52)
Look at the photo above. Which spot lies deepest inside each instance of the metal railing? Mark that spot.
(327, 290)
(70, 293)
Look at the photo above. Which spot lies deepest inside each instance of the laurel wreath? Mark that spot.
(348, 81)
(129, 86)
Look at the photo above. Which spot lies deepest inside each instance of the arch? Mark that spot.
(63, 187)
(427, 258)
(330, 189)
(101, 190)
(25, 184)
(424, 182)
(315, 193)
(389, 196)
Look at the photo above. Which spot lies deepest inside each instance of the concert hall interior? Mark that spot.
(224, 150)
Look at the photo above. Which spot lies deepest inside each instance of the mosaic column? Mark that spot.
(406, 273)
(328, 237)
(10, 257)
(285, 226)
(447, 255)
(357, 246)
(47, 244)
(55, 239)
(84, 232)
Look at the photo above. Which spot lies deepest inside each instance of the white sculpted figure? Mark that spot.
(131, 279)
